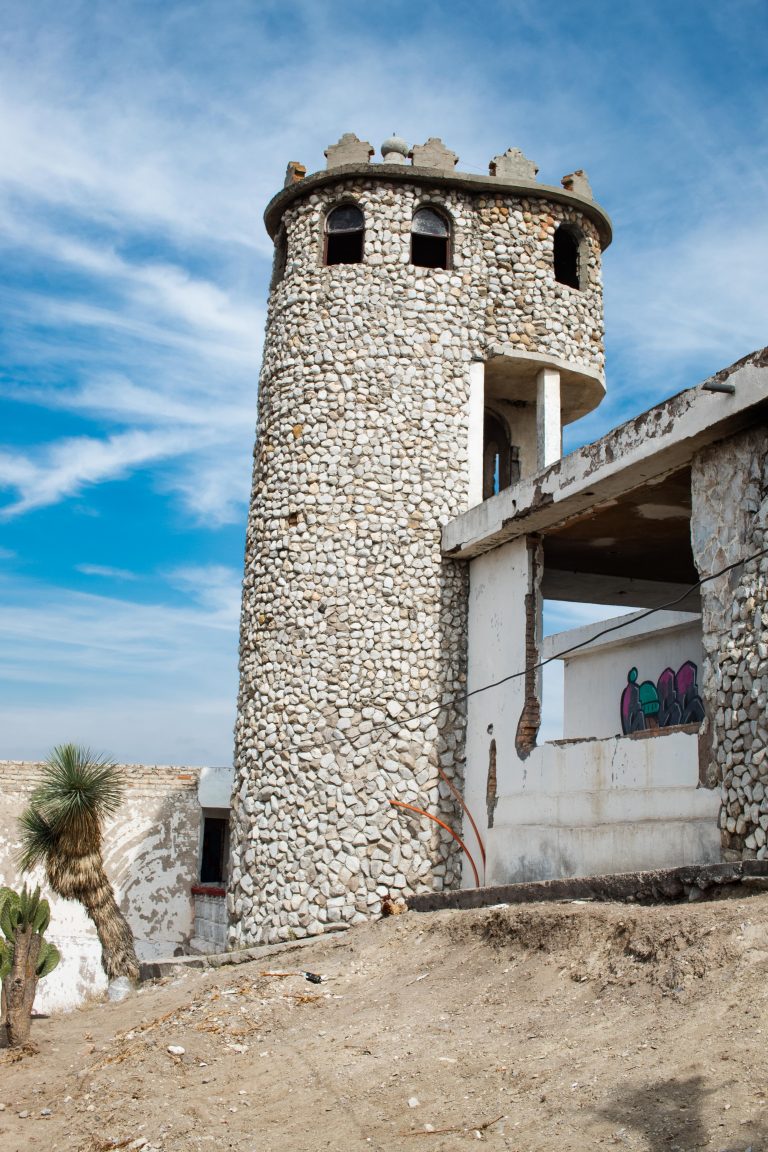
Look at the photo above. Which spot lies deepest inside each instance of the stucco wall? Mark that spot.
(589, 807)
(729, 521)
(151, 855)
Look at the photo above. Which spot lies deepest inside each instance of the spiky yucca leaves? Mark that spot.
(62, 830)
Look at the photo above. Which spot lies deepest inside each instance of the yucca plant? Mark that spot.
(25, 958)
(62, 830)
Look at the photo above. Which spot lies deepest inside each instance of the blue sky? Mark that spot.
(141, 142)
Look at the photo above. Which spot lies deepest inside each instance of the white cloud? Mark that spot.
(68, 466)
(105, 571)
(135, 170)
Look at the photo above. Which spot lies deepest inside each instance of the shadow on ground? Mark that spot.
(668, 1113)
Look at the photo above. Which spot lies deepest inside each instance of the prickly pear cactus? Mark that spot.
(25, 958)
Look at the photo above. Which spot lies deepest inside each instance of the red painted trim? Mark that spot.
(207, 890)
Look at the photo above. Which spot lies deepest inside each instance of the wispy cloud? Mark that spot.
(68, 466)
(103, 570)
(134, 268)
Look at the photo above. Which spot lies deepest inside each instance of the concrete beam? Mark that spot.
(660, 886)
(623, 591)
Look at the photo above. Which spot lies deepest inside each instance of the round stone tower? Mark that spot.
(428, 333)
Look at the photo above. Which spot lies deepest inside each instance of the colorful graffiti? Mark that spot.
(673, 699)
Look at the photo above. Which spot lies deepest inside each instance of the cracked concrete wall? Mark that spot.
(151, 857)
(729, 521)
(591, 807)
(575, 807)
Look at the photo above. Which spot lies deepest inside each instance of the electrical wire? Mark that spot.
(462, 697)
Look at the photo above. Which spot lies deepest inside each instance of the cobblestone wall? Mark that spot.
(729, 521)
(351, 620)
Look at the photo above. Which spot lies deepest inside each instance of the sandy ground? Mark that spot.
(565, 1027)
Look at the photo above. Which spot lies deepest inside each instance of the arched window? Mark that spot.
(501, 459)
(567, 256)
(344, 235)
(430, 238)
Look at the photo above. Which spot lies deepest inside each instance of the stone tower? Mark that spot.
(428, 333)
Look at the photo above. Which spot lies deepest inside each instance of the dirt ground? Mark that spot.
(566, 1027)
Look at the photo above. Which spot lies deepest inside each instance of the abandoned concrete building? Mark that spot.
(429, 334)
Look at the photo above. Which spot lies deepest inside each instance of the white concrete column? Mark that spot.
(549, 429)
(475, 423)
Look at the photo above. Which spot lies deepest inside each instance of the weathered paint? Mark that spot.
(581, 808)
(151, 857)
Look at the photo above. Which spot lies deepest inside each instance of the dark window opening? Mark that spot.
(280, 259)
(430, 237)
(213, 856)
(344, 235)
(567, 257)
(501, 459)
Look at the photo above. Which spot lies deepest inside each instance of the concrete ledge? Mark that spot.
(435, 178)
(662, 886)
(173, 965)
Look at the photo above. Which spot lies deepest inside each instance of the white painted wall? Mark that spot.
(214, 788)
(549, 428)
(475, 432)
(595, 677)
(591, 807)
(498, 582)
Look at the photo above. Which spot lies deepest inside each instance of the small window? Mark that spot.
(280, 259)
(214, 850)
(567, 256)
(501, 459)
(344, 235)
(430, 236)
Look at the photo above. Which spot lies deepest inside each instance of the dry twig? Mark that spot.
(456, 1128)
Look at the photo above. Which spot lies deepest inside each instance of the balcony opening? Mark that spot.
(501, 458)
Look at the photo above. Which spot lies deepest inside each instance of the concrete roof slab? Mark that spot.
(652, 445)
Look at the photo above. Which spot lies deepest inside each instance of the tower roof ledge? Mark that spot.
(435, 178)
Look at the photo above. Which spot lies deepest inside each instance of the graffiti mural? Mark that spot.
(673, 699)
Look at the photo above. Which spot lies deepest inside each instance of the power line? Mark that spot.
(462, 697)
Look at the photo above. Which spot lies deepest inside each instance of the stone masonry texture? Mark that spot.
(353, 627)
(730, 521)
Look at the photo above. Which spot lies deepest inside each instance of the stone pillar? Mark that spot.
(729, 520)
(549, 434)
